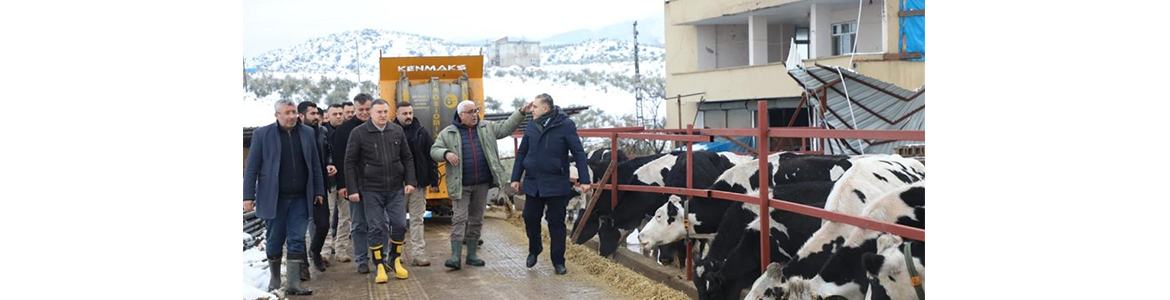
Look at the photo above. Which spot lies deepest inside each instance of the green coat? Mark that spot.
(449, 140)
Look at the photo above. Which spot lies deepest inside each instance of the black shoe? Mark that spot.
(364, 269)
(531, 260)
(318, 262)
(560, 269)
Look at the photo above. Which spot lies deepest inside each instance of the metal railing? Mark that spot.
(762, 133)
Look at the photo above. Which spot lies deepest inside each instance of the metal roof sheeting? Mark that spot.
(876, 105)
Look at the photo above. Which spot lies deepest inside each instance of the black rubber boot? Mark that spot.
(295, 267)
(472, 259)
(395, 261)
(273, 273)
(456, 250)
(380, 267)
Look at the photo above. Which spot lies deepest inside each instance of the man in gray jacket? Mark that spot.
(473, 166)
(379, 172)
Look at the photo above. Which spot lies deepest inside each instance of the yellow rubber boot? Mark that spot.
(396, 252)
(380, 265)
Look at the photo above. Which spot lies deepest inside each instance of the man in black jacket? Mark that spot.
(332, 119)
(309, 116)
(353, 231)
(426, 172)
(379, 173)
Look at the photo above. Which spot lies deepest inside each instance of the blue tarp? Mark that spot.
(722, 144)
(913, 29)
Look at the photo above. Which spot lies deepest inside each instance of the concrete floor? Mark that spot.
(504, 277)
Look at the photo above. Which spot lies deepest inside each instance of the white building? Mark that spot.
(503, 53)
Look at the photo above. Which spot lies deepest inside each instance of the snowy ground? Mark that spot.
(256, 274)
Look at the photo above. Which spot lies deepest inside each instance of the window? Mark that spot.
(844, 35)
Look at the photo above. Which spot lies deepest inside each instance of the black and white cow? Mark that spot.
(611, 226)
(851, 256)
(667, 226)
(734, 263)
(625, 173)
(848, 195)
(870, 177)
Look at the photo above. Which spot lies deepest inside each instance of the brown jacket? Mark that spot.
(378, 161)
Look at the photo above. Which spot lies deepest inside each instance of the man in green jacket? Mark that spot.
(473, 166)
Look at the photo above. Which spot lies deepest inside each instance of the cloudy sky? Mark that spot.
(272, 24)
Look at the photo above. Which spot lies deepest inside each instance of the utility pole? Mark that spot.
(358, 59)
(638, 81)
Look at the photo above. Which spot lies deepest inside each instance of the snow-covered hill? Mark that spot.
(596, 72)
(334, 54)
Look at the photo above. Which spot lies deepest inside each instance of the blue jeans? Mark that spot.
(385, 216)
(292, 215)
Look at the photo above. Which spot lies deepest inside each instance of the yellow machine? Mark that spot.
(434, 86)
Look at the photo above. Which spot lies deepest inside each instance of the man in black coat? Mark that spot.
(355, 230)
(333, 117)
(426, 173)
(308, 115)
(379, 171)
(543, 161)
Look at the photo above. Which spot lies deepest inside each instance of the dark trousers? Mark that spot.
(385, 216)
(553, 209)
(291, 218)
(320, 227)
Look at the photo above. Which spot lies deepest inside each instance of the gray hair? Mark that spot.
(464, 104)
(283, 102)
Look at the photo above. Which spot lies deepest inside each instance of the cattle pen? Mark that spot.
(763, 134)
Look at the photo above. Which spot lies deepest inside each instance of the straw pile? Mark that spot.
(608, 273)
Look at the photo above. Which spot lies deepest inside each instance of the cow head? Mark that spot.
(608, 236)
(888, 276)
(770, 287)
(665, 227)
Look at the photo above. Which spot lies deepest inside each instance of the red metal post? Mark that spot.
(765, 194)
(690, 176)
(515, 146)
(613, 148)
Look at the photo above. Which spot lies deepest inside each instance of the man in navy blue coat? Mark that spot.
(543, 161)
(282, 179)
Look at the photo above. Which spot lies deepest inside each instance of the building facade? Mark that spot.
(503, 53)
(722, 56)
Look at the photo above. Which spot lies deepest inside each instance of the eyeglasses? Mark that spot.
(471, 112)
